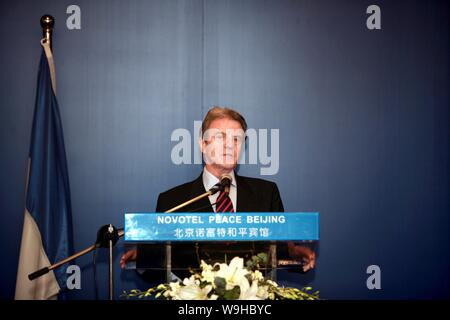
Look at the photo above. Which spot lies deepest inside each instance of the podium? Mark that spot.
(176, 242)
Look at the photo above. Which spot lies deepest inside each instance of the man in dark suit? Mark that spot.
(221, 142)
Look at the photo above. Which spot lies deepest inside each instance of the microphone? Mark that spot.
(223, 185)
(106, 233)
(225, 182)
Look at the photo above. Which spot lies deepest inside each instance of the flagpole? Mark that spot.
(47, 23)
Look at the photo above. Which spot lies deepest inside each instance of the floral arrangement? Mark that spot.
(223, 281)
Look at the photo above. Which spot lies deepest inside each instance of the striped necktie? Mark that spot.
(223, 203)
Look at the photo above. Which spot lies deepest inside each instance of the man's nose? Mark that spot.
(229, 142)
(228, 145)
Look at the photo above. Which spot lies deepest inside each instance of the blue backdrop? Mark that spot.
(363, 118)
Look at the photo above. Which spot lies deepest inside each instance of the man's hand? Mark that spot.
(304, 254)
(130, 255)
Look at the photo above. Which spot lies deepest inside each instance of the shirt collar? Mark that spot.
(209, 180)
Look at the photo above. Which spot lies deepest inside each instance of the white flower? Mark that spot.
(193, 292)
(201, 286)
(263, 292)
(190, 290)
(174, 286)
(232, 273)
(191, 281)
(257, 275)
(207, 274)
(249, 292)
(272, 283)
(205, 266)
(173, 290)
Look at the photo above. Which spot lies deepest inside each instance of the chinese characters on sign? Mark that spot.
(243, 233)
(221, 227)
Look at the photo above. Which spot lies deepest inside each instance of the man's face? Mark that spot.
(222, 142)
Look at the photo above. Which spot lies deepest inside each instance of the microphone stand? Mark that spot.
(107, 237)
(210, 192)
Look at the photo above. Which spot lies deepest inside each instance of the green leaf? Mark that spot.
(263, 257)
(232, 294)
(220, 282)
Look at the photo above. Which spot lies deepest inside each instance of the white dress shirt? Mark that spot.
(209, 180)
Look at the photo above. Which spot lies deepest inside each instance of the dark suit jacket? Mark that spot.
(253, 195)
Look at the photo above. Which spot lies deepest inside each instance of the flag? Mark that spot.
(47, 229)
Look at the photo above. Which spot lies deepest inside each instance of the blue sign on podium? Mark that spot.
(260, 226)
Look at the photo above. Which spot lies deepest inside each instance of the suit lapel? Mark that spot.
(245, 196)
(197, 188)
